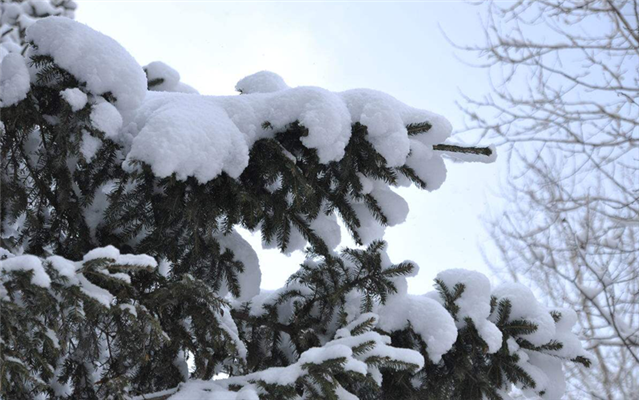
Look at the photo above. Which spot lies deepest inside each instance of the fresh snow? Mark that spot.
(170, 78)
(27, 263)
(103, 296)
(14, 80)
(90, 146)
(474, 303)
(183, 134)
(75, 97)
(93, 58)
(251, 277)
(203, 136)
(525, 306)
(159, 70)
(427, 317)
(261, 82)
(111, 252)
(105, 117)
(191, 135)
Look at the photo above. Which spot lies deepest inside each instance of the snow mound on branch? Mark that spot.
(251, 277)
(76, 98)
(163, 78)
(183, 135)
(106, 118)
(572, 347)
(93, 58)
(386, 119)
(428, 165)
(69, 270)
(14, 80)
(474, 303)
(120, 259)
(203, 136)
(261, 82)
(427, 317)
(27, 263)
(525, 306)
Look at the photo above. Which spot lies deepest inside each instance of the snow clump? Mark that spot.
(14, 80)
(92, 57)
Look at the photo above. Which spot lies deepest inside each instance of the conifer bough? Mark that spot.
(123, 274)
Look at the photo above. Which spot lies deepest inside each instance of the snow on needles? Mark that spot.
(76, 98)
(261, 82)
(525, 306)
(27, 263)
(202, 136)
(163, 78)
(14, 80)
(187, 134)
(474, 303)
(93, 58)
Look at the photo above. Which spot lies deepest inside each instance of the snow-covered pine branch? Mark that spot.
(94, 162)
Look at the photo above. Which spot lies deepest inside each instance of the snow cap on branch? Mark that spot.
(93, 58)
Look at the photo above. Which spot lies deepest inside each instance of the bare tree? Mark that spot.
(564, 104)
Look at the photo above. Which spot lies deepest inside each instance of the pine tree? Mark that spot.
(123, 273)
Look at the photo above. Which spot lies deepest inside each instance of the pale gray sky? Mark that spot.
(397, 48)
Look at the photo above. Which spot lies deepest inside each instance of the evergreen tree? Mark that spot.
(103, 159)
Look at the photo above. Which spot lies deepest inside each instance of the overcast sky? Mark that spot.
(397, 48)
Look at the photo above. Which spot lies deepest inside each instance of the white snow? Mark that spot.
(339, 348)
(367, 184)
(549, 375)
(164, 267)
(386, 119)
(209, 390)
(111, 252)
(103, 296)
(76, 98)
(572, 347)
(4, 253)
(525, 306)
(93, 58)
(202, 136)
(251, 277)
(94, 212)
(394, 206)
(171, 78)
(42, 8)
(102, 252)
(27, 263)
(159, 70)
(474, 303)
(130, 308)
(89, 146)
(261, 82)
(51, 335)
(64, 267)
(105, 117)
(228, 325)
(136, 259)
(327, 228)
(428, 166)
(14, 80)
(428, 318)
(181, 134)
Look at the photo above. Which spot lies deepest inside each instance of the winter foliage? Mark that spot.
(123, 274)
